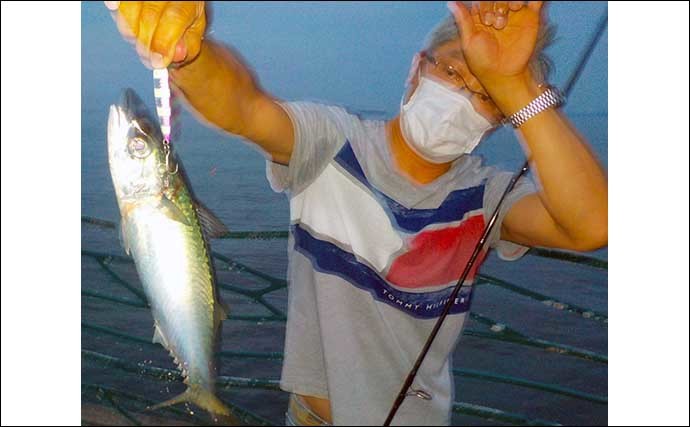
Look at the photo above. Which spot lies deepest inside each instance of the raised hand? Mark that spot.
(163, 32)
(498, 38)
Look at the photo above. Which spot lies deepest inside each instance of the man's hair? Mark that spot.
(540, 64)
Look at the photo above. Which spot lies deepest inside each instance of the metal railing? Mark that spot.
(130, 406)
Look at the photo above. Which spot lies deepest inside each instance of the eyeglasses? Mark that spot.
(452, 73)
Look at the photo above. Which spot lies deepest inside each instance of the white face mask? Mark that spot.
(440, 124)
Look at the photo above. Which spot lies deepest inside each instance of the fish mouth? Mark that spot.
(134, 116)
(130, 109)
(134, 108)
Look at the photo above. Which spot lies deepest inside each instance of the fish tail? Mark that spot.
(202, 398)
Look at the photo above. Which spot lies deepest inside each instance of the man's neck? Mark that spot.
(411, 165)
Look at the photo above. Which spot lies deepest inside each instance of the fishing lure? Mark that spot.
(164, 108)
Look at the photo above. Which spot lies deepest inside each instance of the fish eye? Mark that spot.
(138, 147)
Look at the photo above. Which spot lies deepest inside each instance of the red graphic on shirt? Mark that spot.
(439, 256)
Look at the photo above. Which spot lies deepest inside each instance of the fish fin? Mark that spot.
(158, 337)
(212, 226)
(170, 209)
(200, 397)
(220, 312)
(123, 237)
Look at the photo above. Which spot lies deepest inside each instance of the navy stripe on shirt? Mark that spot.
(453, 208)
(329, 258)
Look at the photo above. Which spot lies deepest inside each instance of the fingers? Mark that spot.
(195, 34)
(535, 5)
(180, 52)
(163, 32)
(496, 14)
(151, 12)
(463, 18)
(501, 14)
(169, 38)
(486, 12)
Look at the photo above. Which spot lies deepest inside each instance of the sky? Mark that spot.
(349, 53)
(352, 54)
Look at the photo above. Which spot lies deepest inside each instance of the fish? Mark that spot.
(166, 230)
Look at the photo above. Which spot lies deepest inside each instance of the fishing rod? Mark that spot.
(480, 244)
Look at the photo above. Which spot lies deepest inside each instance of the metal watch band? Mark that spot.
(552, 97)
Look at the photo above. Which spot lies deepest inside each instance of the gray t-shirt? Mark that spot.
(373, 259)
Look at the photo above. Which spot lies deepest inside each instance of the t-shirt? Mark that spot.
(372, 260)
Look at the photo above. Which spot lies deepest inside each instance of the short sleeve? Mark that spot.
(319, 132)
(495, 187)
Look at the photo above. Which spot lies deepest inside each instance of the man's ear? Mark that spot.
(413, 68)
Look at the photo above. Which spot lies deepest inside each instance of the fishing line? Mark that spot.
(480, 244)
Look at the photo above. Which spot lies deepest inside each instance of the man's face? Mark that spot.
(446, 65)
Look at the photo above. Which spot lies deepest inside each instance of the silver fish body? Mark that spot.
(162, 230)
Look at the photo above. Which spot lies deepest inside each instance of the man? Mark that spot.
(385, 215)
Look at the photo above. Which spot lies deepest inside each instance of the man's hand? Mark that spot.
(163, 32)
(214, 80)
(498, 38)
(570, 211)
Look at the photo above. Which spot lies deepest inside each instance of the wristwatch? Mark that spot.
(551, 98)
